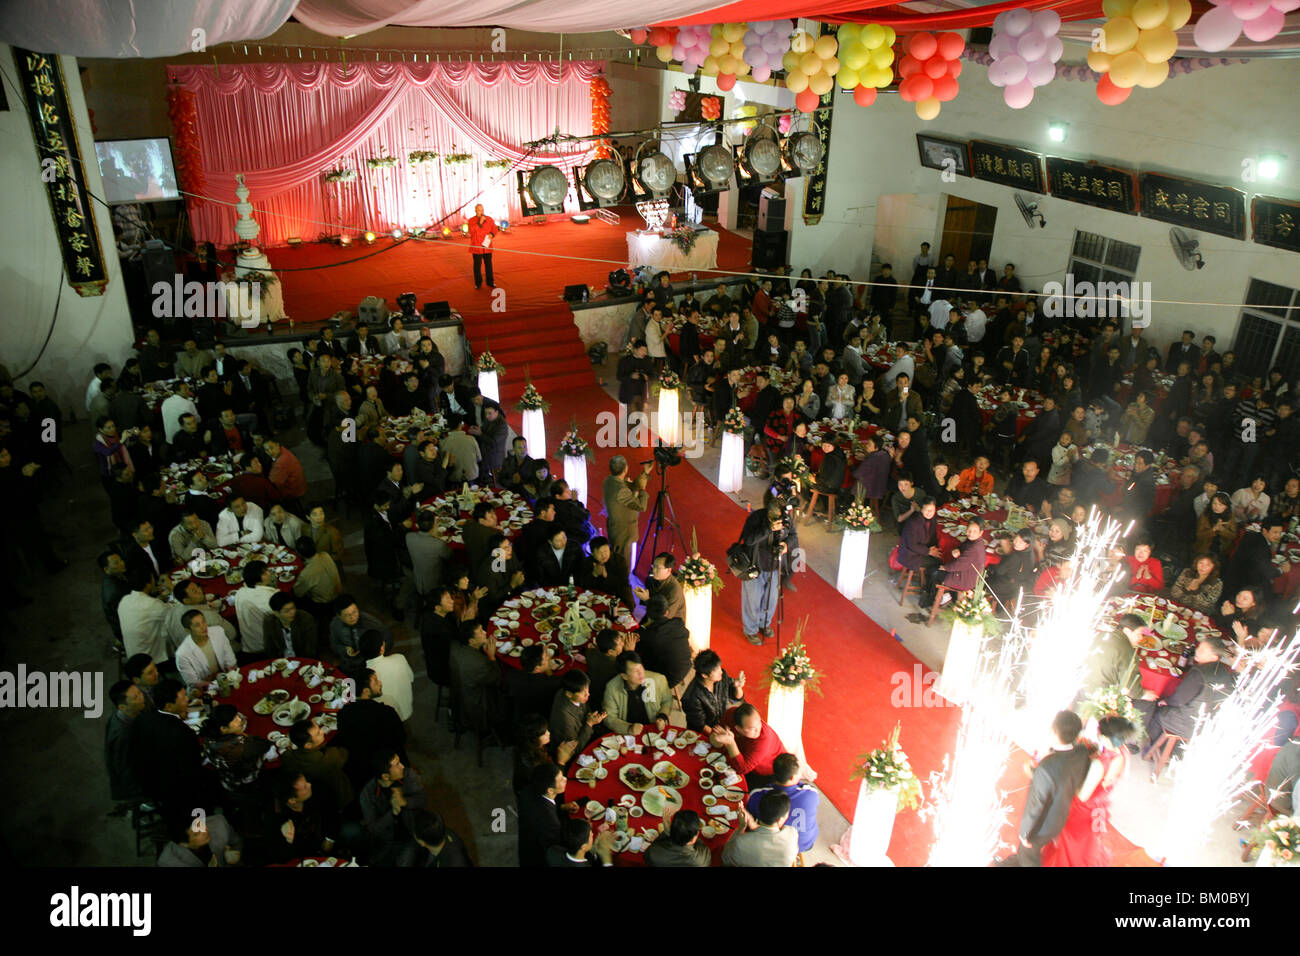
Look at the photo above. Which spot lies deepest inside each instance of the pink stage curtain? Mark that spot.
(887, 12)
(285, 125)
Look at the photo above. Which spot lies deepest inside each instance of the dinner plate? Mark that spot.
(1160, 663)
(263, 707)
(621, 840)
(286, 715)
(636, 777)
(656, 800)
(594, 810)
(670, 774)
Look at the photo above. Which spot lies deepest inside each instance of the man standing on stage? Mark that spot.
(481, 231)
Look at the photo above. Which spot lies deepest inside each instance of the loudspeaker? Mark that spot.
(769, 249)
(433, 311)
(771, 212)
(576, 293)
(159, 262)
(373, 310)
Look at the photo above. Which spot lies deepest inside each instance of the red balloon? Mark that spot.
(659, 37)
(639, 35)
(864, 95)
(951, 45)
(1109, 93)
(726, 81)
(945, 89)
(935, 67)
(807, 101)
(908, 65)
(919, 87)
(922, 46)
(954, 68)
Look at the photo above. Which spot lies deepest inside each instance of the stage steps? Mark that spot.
(544, 339)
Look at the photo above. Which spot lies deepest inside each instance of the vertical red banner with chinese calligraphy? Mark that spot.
(814, 197)
(60, 170)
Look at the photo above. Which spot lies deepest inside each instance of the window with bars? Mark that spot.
(1268, 331)
(1097, 259)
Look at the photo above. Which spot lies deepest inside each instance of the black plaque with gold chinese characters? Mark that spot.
(60, 170)
(814, 197)
(1276, 222)
(1186, 202)
(1107, 187)
(1007, 165)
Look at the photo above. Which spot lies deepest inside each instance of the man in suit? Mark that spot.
(572, 719)
(558, 559)
(636, 697)
(624, 502)
(765, 840)
(430, 555)
(362, 344)
(1052, 789)
(1252, 565)
(228, 436)
(606, 572)
(382, 542)
(366, 727)
(580, 846)
(168, 760)
(533, 686)
(1013, 363)
(329, 345)
(766, 399)
(288, 631)
(454, 401)
(1208, 683)
(988, 279)
(191, 362)
(1112, 661)
(478, 531)
(664, 584)
(1183, 351)
(128, 703)
(680, 846)
(665, 644)
(144, 552)
(541, 814)
(499, 572)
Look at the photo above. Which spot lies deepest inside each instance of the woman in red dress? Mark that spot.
(1083, 841)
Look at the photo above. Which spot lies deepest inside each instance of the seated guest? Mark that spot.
(143, 551)
(636, 697)
(1244, 609)
(906, 501)
(765, 840)
(1089, 478)
(167, 758)
(570, 514)
(204, 653)
(476, 680)
(532, 749)
(918, 542)
(680, 846)
(251, 483)
(367, 727)
(572, 719)
(192, 534)
(541, 815)
(430, 555)
(1028, 489)
(1147, 573)
(534, 685)
(286, 471)
(1014, 575)
(602, 661)
(665, 644)
(393, 670)
(143, 674)
(1112, 660)
(237, 756)
(964, 566)
(227, 437)
(534, 536)
(439, 627)
(1252, 563)
(1206, 684)
(128, 703)
(750, 744)
(1216, 528)
(143, 618)
(663, 583)
(557, 560)
(239, 523)
(211, 841)
(872, 474)
(482, 526)
(1199, 587)
(580, 846)
(804, 799)
(499, 573)
(288, 631)
(283, 528)
(711, 693)
(1057, 573)
(318, 584)
(253, 604)
(439, 846)
(306, 821)
(388, 803)
(606, 572)
(977, 479)
(188, 442)
(1251, 503)
(1287, 504)
(198, 498)
(347, 628)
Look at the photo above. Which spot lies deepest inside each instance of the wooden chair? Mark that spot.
(906, 578)
(1164, 749)
(830, 506)
(938, 601)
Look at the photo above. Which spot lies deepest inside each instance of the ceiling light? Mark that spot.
(803, 153)
(548, 186)
(1270, 165)
(1057, 132)
(653, 173)
(601, 184)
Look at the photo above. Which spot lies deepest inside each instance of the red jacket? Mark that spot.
(477, 232)
(757, 754)
(1152, 584)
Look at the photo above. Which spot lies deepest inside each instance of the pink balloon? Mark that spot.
(1018, 21)
(1014, 70)
(679, 52)
(761, 74)
(1019, 95)
(1286, 6)
(1001, 45)
(1265, 26)
(1047, 22)
(1217, 30)
(1055, 48)
(1031, 45)
(1249, 9)
(1041, 72)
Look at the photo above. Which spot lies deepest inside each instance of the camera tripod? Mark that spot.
(661, 514)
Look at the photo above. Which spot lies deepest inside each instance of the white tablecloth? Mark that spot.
(653, 250)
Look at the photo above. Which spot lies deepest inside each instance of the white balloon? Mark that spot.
(1031, 45)
(1041, 72)
(1055, 48)
(1018, 21)
(1047, 22)
(1000, 22)
(1014, 69)
(1001, 45)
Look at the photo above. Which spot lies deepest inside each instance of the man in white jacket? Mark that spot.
(204, 653)
(253, 604)
(239, 523)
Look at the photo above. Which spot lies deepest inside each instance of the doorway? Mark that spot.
(967, 231)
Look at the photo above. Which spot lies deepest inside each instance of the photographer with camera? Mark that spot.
(769, 537)
(625, 499)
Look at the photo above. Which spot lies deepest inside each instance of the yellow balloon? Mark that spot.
(848, 32)
(873, 35)
(665, 53)
(881, 78)
(882, 57)
(726, 63)
(790, 61)
(1157, 46)
(715, 31)
(1127, 69)
(1149, 14)
(802, 42)
(710, 66)
(796, 81)
(810, 63)
(821, 83)
(731, 32)
(1114, 9)
(719, 46)
(831, 66)
(1153, 74)
(1119, 35)
(890, 35)
(855, 55)
(743, 68)
(826, 47)
(848, 78)
(1099, 62)
(1180, 11)
(927, 109)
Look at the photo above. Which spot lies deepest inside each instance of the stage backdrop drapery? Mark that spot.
(285, 125)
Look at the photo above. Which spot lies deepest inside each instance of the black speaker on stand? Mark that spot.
(769, 249)
(771, 212)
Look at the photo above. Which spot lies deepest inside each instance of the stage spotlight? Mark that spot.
(653, 175)
(709, 170)
(600, 184)
(369, 237)
(803, 152)
(406, 302)
(760, 157)
(504, 224)
(464, 228)
(345, 240)
(446, 231)
(547, 186)
(396, 234)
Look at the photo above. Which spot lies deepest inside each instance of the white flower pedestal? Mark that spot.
(669, 425)
(699, 616)
(575, 475)
(785, 716)
(731, 467)
(534, 432)
(959, 664)
(1268, 858)
(873, 826)
(853, 564)
(488, 385)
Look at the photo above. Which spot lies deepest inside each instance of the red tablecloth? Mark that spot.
(249, 692)
(512, 513)
(219, 472)
(952, 526)
(512, 639)
(285, 564)
(853, 450)
(675, 342)
(746, 391)
(1031, 402)
(1157, 665)
(612, 788)
(393, 432)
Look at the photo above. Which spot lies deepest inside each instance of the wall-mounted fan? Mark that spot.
(1187, 249)
(1029, 210)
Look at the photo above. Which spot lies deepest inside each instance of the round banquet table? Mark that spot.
(1119, 471)
(512, 511)
(396, 432)
(1157, 660)
(1030, 402)
(155, 393)
(954, 516)
(284, 564)
(219, 472)
(747, 391)
(316, 861)
(880, 355)
(516, 624)
(249, 692)
(369, 367)
(852, 447)
(598, 754)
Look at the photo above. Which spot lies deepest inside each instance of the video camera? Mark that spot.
(665, 456)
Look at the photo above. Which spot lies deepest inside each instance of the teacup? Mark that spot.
(710, 800)
(635, 812)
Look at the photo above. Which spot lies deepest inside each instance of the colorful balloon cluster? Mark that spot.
(677, 100)
(765, 43)
(662, 39)
(710, 107)
(600, 93)
(930, 70)
(1025, 49)
(810, 67)
(866, 59)
(1220, 27)
(1137, 41)
(182, 108)
(745, 112)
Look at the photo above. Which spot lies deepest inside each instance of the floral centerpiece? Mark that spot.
(887, 768)
(382, 162)
(1281, 836)
(859, 517)
(458, 159)
(684, 239)
(794, 668)
(792, 463)
(344, 175)
(486, 362)
(697, 571)
(531, 400)
(418, 156)
(1114, 701)
(498, 163)
(733, 423)
(974, 609)
(669, 381)
(573, 445)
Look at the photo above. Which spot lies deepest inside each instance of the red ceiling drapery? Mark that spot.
(886, 12)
